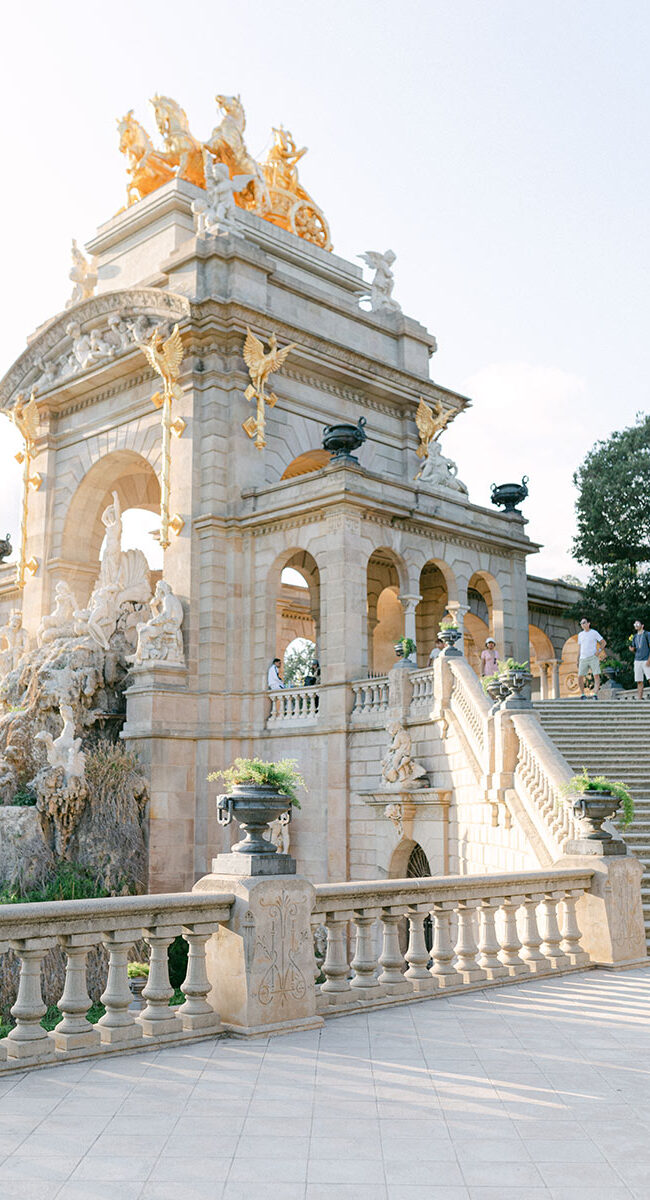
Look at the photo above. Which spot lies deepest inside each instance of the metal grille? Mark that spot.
(418, 864)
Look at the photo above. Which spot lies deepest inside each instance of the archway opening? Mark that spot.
(296, 582)
(385, 615)
(540, 652)
(299, 663)
(569, 667)
(434, 591)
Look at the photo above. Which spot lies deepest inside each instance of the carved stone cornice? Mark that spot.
(26, 371)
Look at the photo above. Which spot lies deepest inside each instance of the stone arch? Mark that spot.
(386, 578)
(483, 584)
(437, 586)
(569, 667)
(134, 479)
(291, 614)
(399, 859)
(540, 653)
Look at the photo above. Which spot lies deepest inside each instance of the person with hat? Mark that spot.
(489, 657)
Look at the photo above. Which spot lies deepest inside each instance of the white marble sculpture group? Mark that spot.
(216, 212)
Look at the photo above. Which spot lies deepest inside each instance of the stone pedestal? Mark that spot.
(261, 966)
(610, 915)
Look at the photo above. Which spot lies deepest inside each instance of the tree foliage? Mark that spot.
(298, 662)
(613, 507)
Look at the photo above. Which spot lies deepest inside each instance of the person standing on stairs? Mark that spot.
(591, 646)
(640, 645)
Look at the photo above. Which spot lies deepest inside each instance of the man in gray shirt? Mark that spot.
(640, 645)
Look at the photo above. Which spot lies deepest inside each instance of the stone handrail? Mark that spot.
(293, 704)
(116, 923)
(370, 696)
(471, 707)
(463, 932)
(540, 773)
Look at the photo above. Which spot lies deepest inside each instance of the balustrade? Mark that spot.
(77, 926)
(423, 688)
(370, 696)
(293, 704)
(484, 930)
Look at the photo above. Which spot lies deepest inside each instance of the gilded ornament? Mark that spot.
(166, 357)
(181, 148)
(290, 206)
(227, 145)
(260, 366)
(25, 417)
(430, 422)
(146, 168)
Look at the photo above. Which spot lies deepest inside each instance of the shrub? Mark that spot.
(137, 970)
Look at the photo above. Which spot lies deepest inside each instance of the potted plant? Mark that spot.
(449, 632)
(138, 973)
(597, 799)
(258, 793)
(515, 677)
(404, 649)
(491, 685)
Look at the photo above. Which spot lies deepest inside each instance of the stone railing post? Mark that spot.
(261, 964)
(610, 914)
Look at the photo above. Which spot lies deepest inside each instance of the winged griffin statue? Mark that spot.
(260, 366)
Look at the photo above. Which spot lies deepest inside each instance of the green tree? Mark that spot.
(298, 661)
(613, 537)
(613, 507)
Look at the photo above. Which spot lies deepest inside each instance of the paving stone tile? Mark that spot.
(98, 1168)
(175, 1170)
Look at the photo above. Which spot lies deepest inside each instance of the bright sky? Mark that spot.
(499, 148)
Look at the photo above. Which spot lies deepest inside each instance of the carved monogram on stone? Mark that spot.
(282, 977)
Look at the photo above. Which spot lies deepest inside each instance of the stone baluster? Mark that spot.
(28, 1041)
(417, 955)
(391, 959)
(442, 951)
(196, 1012)
(551, 944)
(118, 1025)
(75, 1030)
(364, 964)
(466, 948)
(157, 1017)
(510, 943)
(336, 968)
(488, 942)
(531, 938)
(571, 935)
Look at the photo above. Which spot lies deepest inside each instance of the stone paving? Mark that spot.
(539, 1090)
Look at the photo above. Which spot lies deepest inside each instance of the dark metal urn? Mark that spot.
(449, 636)
(254, 806)
(5, 547)
(510, 494)
(593, 808)
(341, 440)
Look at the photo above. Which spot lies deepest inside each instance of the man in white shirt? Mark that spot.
(275, 683)
(590, 645)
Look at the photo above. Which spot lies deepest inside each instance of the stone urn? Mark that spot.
(450, 637)
(509, 495)
(515, 685)
(341, 440)
(137, 984)
(494, 691)
(254, 806)
(593, 808)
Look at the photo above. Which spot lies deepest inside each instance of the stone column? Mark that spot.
(457, 611)
(409, 604)
(555, 679)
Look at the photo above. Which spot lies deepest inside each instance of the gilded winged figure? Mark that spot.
(24, 415)
(430, 420)
(260, 366)
(166, 358)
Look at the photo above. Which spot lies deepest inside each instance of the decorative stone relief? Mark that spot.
(440, 472)
(98, 344)
(279, 832)
(60, 622)
(160, 638)
(395, 813)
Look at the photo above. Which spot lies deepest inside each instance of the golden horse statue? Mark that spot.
(227, 145)
(181, 147)
(147, 168)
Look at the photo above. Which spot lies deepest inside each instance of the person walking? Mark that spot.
(640, 646)
(489, 657)
(436, 649)
(591, 644)
(274, 681)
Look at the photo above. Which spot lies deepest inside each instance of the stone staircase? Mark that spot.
(612, 738)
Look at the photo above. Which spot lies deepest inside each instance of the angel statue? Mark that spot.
(436, 469)
(260, 366)
(84, 276)
(217, 212)
(381, 288)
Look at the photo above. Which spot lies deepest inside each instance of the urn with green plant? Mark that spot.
(258, 793)
(597, 799)
(449, 633)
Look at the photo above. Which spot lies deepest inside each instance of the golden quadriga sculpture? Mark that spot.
(274, 191)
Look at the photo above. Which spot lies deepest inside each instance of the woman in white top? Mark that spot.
(590, 645)
(274, 681)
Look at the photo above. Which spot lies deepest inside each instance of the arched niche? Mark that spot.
(134, 480)
(437, 588)
(569, 667)
(485, 601)
(294, 609)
